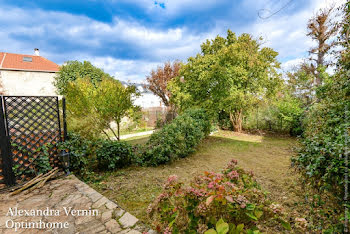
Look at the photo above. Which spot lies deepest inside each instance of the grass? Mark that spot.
(268, 157)
(137, 139)
(127, 131)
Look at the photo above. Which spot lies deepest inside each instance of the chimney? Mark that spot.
(36, 52)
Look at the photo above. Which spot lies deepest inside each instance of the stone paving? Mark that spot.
(65, 205)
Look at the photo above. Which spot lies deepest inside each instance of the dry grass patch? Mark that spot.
(267, 156)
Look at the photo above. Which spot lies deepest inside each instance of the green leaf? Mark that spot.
(285, 224)
(258, 213)
(210, 231)
(221, 221)
(222, 228)
(174, 218)
(232, 226)
(252, 216)
(250, 207)
(240, 227)
(212, 220)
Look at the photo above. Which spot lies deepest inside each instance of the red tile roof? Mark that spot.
(9, 61)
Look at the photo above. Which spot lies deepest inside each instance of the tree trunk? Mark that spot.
(320, 62)
(106, 135)
(236, 120)
(116, 136)
(118, 127)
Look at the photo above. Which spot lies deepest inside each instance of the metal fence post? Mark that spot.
(5, 149)
(58, 118)
(64, 119)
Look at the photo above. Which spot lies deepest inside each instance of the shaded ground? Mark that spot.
(269, 157)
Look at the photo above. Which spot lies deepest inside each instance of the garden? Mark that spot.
(245, 147)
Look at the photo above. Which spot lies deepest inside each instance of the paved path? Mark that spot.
(88, 211)
(136, 134)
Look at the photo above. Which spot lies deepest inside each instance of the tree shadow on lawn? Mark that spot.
(268, 157)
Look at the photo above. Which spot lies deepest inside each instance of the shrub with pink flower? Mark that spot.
(233, 195)
(171, 180)
(233, 175)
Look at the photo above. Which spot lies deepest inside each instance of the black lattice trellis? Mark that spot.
(31, 123)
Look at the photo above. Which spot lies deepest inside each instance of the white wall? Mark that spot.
(27, 83)
(147, 100)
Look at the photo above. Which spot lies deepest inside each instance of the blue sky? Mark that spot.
(129, 38)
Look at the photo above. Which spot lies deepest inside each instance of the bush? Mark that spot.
(114, 154)
(322, 155)
(283, 114)
(177, 139)
(232, 196)
(80, 150)
(159, 123)
(224, 122)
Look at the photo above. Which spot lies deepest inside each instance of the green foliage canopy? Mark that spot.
(177, 139)
(72, 70)
(93, 107)
(230, 74)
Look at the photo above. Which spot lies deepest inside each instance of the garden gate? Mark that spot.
(29, 126)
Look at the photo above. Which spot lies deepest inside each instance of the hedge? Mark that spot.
(114, 154)
(177, 139)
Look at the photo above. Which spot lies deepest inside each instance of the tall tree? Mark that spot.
(94, 107)
(159, 79)
(322, 28)
(229, 75)
(323, 154)
(73, 70)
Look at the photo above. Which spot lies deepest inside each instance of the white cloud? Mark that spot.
(290, 64)
(84, 38)
(83, 35)
(125, 70)
(286, 33)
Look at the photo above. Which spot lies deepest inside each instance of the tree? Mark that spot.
(159, 79)
(310, 74)
(322, 29)
(323, 153)
(300, 83)
(114, 101)
(230, 75)
(93, 107)
(73, 70)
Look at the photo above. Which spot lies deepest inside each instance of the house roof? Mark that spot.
(142, 88)
(22, 62)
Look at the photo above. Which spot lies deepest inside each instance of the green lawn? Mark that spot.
(126, 131)
(137, 139)
(134, 188)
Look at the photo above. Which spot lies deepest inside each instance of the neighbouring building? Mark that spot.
(152, 106)
(146, 99)
(27, 74)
